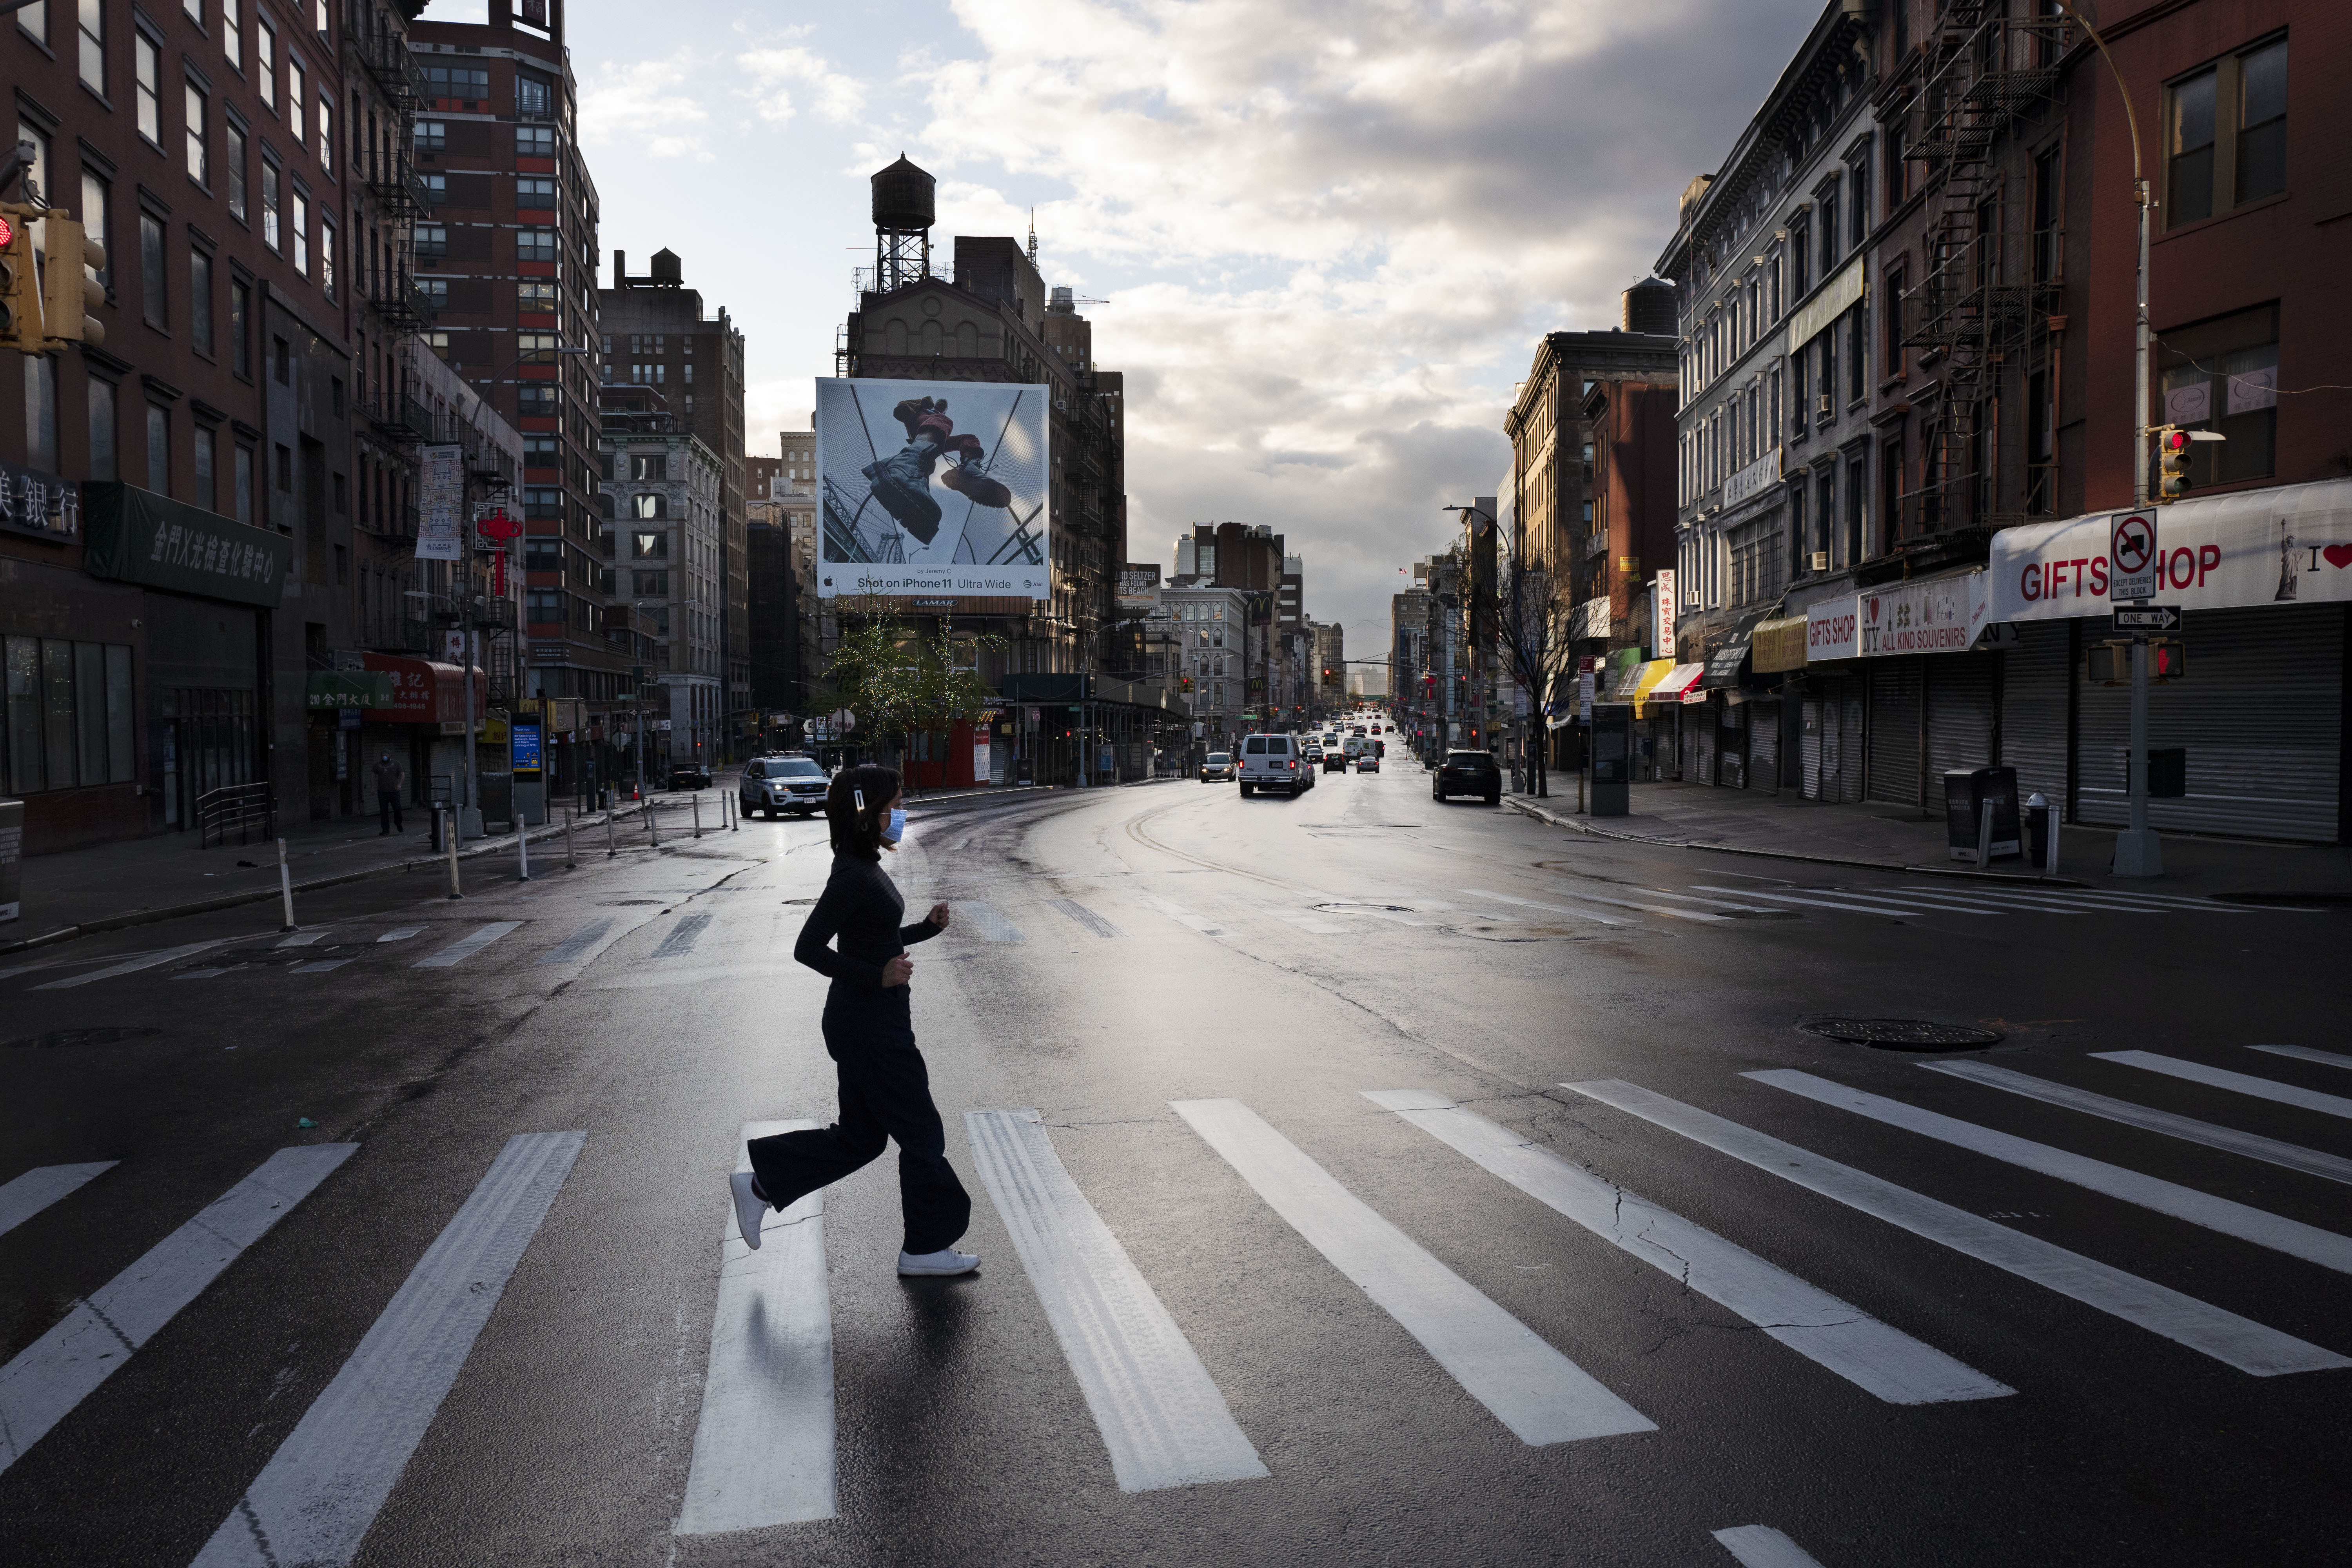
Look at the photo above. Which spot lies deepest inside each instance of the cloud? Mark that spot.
(836, 97)
(623, 102)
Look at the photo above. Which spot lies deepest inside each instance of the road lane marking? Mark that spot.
(27, 1195)
(1876, 1357)
(57, 1370)
(1086, 917)
(401, 933)
(571, 948)
(991, 925)
(1970, 903)
(1160, 1416)
(2254, 1145)
(1553, 908)
(763, 1448)
(1844, 902)
(133, 966)
(314, 1500)
(2019, 899)
(1201, 924)
(683, 936)
(2305, 1054)
(1761, 1546)
(2248, 1346)
(2237, 1082)
(305, 938)
(320, 966)
(2309, 1242)
(465, 947)
(1535, 1391)
(1646, 909)
(1719, 903)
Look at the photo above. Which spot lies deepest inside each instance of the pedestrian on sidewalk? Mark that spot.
(884, 1089)
(388, 780)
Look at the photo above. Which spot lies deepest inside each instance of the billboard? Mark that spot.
(936, 487)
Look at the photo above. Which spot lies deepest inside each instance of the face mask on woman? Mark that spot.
(898, 828)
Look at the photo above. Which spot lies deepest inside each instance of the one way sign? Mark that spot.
(2147, 617)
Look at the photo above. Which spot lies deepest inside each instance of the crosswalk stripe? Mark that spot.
(133, 966)
(1646, 909)
(57, 1370)
(683, 936)
(1888, 907)
(202, 974)
(2177, 901)
(2254, 1145)
(1975, 903)
(27, 1195)
(1719, 903)
(992, 925)
(2021, 899)
(1201, 924)
(314, 1500)
(1551, 909)
(320, 966)
(304, 938)
(2309, 1242)
(1086, 917)
(2237, 1082)
(764, 1449)
(401, 933)
(1535, 1391)
(571, 947)
(1314, 927)
(465, 947)
(1160, 1414)
(1880, 1359)
(1761, 1546)
(2248, 1346)
(2305, 1054)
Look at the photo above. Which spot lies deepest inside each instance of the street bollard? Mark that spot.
(450, 838)
(2050, 853)
(571, 862)
(522, 846)
(285, 885)
(698, 815)
(610, 813)
(734, 814)
(652, 832)
(1984, 836)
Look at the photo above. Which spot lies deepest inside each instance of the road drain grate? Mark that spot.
(65, 1039)
(1901, 1034)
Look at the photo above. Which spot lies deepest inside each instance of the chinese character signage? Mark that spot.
(137, 536)
(441, 502)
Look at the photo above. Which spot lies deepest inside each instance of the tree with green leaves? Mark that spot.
(896, 681)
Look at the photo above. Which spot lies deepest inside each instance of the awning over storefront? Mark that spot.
(1724, 665)
(2287, 545)
(423, 692)
(1779, 644)
(1679, 684)
(361, 688)
(1642, 682)
(132, 535)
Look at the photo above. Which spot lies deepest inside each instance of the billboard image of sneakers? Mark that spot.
(933, 488)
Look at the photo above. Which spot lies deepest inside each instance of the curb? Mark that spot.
(1520, 805)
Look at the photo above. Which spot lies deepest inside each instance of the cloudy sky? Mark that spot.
(1328, 235)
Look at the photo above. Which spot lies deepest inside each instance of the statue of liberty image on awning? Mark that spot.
(933, 488)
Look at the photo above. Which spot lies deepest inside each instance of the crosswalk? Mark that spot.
(764, 1453)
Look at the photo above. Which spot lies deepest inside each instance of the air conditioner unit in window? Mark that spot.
(1827, 407)
(1820, 561)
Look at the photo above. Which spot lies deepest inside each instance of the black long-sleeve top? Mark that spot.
(863, 907)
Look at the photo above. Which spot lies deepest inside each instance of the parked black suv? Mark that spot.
(1468, 772)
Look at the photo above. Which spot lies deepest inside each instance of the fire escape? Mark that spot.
(1980, 316)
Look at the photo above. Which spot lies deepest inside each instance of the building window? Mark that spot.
(1800, 260)
(2262, 122)
(1830, 235)
(200, 302)
(535, 142)
(298, 89)
(539, 244)
(301, 234)
(546, 606)
(326, 256)
(245, 484)
(240, 314)
(101, 429)
(648, 546)
(432, 136)
(653, 466)
(653, 584)
(281, 367)
(233, 140)
(270, 204)
(534, 95)
(70, 714)
(649, 505)
(97, 204)
(1857, 373)
(159, 451)
(93, 15)
(2225, 135)
(535, 348)
(1858, 176)
(147, 63)
(1825, 495)
(465, 84)
(2040, 443)
(435, 292)
(232, 33)
(436, 189)
(533, 191)
(538, 297)
(151, 278)
(537, 402)
(326, 134)
(265, 62)
(203, 470)
(543, 503)
(2222, 375)
(199, 165)
(1797, 424)
(432, 241)
(35, 19)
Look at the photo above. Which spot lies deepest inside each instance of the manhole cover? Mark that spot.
(1901, 1034)
(62, 1039)
(1379, 908)
(626, 903)
(2288, 900)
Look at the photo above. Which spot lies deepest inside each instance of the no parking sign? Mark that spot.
(2132, 556)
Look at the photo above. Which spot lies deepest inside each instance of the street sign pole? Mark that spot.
(2132, 574)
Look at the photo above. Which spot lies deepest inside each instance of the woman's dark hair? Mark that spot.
(857, 832)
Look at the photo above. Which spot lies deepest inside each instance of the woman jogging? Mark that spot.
(885, 1092)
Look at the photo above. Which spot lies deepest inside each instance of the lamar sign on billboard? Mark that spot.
(2284, 546)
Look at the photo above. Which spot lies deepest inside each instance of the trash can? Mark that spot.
(1966, 792)
(1612, 758)
(2037, 820)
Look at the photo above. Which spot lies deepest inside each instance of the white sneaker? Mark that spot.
(946, 1260)
(750, 1210)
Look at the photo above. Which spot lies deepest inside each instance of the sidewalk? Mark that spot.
(1894, 837)
(139, 881)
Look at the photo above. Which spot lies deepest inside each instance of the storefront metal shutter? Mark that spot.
(1959, 716)
(1702, 721)
(2260, 715)
(1815, 714)
(1894, 730)
(1764, 745)
(1850, 744)
(2034, 679)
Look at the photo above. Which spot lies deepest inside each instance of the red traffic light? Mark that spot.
(2174, 441)
(7, 235)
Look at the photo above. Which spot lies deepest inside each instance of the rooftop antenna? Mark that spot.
(1033, 237)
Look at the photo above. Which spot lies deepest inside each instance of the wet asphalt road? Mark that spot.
(1116, 954)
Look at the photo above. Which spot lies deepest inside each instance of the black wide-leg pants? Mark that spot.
(886, 1095)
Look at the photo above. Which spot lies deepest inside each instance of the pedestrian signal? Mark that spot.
(2110, 662)
(71, 291)
(2172, 463)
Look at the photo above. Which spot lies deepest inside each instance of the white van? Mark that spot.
(1273, 761)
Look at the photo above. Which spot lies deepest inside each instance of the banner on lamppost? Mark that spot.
(441, 504)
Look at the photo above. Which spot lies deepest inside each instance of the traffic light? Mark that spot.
(20, 289)
(2171, 463)
(2167, 660)
(69, 293)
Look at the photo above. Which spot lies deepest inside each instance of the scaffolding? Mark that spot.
(1979, 315)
